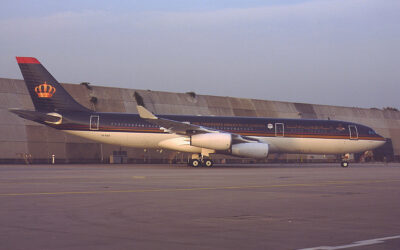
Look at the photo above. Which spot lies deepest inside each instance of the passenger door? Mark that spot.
(94, 122)
(279, 129)
(353, 132)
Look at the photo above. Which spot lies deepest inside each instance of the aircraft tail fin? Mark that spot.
(46, 92)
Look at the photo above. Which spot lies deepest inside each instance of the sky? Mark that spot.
(333, 52)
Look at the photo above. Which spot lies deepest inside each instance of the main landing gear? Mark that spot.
(201, 162)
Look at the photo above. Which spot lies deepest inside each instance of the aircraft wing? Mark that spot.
(183, 128)
(171, 125)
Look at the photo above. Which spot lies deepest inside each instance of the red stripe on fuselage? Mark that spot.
(27, 60)
(158, 131)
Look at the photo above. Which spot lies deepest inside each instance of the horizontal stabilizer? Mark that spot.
(36, 116)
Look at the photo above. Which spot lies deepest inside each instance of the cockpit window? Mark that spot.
(371, 132)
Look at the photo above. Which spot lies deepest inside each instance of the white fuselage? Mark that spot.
(276, 144)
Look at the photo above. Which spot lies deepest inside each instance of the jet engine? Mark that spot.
(252, 150)
(217, 141)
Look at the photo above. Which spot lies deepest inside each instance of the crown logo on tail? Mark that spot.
(45, 90)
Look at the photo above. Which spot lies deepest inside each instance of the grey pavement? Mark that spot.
(274, 206)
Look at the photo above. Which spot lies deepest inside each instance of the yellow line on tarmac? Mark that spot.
(328, 183)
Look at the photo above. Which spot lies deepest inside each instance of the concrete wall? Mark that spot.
(21, 139)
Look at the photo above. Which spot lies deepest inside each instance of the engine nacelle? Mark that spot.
(252, 150)
(217, 141)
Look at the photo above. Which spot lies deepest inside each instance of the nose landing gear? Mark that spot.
(344, 164)
(345, 161)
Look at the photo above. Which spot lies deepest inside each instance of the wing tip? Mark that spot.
(144, 113)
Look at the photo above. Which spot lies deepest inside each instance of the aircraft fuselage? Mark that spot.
(282, 135)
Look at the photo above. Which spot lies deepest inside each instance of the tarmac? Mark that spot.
(274, 206)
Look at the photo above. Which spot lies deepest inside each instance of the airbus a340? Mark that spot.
(200, 135)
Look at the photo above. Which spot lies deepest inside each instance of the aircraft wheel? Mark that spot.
(345, 164)
(208, 163)
(194, 163)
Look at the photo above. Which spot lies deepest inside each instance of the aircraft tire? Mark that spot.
(208, 163)
(194, 163)
(344, 164)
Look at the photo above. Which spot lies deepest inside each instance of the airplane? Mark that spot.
(202, 136)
